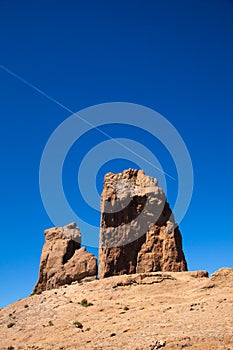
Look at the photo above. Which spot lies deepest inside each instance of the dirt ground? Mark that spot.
(176, 310)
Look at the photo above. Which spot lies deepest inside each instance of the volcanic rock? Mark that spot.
(138, 233)
(63, 261)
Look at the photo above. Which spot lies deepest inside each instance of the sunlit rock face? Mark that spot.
(138, 232)
(63, 261)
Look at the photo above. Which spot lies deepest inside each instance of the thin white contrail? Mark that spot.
(41, 92)
(34, 88)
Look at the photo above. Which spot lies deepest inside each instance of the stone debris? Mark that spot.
(157, 344)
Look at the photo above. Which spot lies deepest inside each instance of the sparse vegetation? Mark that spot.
(10, 325)
(125, 318)
(78, 324)
(85, 303)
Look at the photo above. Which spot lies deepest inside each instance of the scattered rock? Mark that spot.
(138, 232)
(157, 344)
(63, 261)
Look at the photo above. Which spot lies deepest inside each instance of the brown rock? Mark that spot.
(138, 232)
(63, 261)
(222, 275)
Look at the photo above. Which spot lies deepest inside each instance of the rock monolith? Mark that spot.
(138, 231)
(63, 260)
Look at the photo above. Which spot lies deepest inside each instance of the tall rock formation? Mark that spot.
(138, 231)
(63, 260)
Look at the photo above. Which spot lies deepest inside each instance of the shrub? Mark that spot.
(85, 303)
(10, 325)
(126, 308)
(51, 323)
(78, 324)
(26, 306)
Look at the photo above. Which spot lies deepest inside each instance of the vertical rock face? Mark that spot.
(63, 260)
(138, 231)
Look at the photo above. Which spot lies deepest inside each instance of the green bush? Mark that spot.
(78, 324)
(85, 303)
(10, 325)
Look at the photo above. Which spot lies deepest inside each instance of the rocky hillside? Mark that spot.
(167, 310)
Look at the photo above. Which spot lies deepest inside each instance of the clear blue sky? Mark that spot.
(172, 56)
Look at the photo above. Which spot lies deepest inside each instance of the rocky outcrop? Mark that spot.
(63, 261)
(138, 233)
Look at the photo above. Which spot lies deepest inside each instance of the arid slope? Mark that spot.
(143, 311)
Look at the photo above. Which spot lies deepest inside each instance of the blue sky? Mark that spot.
(172, 56)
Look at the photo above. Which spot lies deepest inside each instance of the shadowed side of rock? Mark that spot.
(63, 261)
(138, 232)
